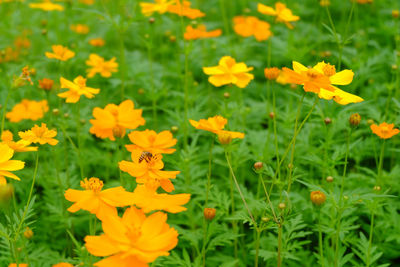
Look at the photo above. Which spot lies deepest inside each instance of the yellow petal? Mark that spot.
(342, 78)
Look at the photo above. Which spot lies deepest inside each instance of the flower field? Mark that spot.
(227, 133)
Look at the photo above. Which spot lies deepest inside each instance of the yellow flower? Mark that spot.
(160, 6)
(80, 28)
(215, 125)
(41, 135)
(252, 26)
(19, 146)
(97, 42)
(7, 165)
(28, 110)
(200, 32)
(281, 12)
(60, 52)
(150, 141)
(384, 130)
(76, 89)
(229, 72)
(184, 9)
(99, 65)
(47, 5)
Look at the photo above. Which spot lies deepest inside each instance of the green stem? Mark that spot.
(5, 111)
(371, 232)
(257, 247)
(378, 178)
(321, 250)
(209, 172)
(78, 137)
(279, 244)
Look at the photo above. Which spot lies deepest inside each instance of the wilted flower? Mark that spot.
(149, 171)
(99, 65)
(113, 120)
(80, 28)
(150, 141)
(252, 26)
(200, 32)
(281, 12)
(133, 240)
(41, 135)
(384, 130)
(215, 125)
(103, 203)
(47, 5)
(28, 110)
(7, 165)
(76, 89)
(229, 72)
(99, 42)
(60, 52)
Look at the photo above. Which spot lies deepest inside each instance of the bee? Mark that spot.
(145, 156)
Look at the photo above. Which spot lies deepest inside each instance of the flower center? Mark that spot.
(93, 183)
(329, 70)
(313, 74)
(385, 130)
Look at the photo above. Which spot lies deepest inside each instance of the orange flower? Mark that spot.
(215, 125)
(317, 197)
(19, 265)
(113, 120)
(364, 1)
(80, 28)
(87, 2)
(99, 42)
(160, 6)
(150, 141)
(320, 80)
(41, 135)
(184, 9)
(76, 89)
(252, 26)
(281, 12)
(99, 65)
(63, 264)
(200, 32)
(149, 200)
(272, 73)
(60, 52)
(47, 5)
(148, 171)
(19, 146)
(7, 165)
(384, 130)
(28, 110)
(229, 72)
(103, 203)
(46, 84)
(133, 240)
(22, 42)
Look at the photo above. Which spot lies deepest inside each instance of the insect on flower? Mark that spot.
(146, 156)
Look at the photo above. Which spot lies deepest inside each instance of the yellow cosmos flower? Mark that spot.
(113, 120)
(320, 80)
(99, 42)
(28, 110)
(7, 165)
(47, 5)
(281, 12)
(133, 240)
(19, 146)
(159, 6)
(252, 26)
(60, 52)
(229, 72)
(183, 9)
(384, 130)
(63, 264)
(41, 135)
(99, 65)
(76, 89)
(103, 203)
(200, 32)
(215, 125)
(150, 141)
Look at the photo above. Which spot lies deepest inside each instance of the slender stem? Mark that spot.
(209, 172)
(5, 111)
(29, 198)
(203, 250)
(345, 165)
(321, 250)
(269, 201)
(371, 232)
(257, 247)
(278, 170)
(151, 73)
(239, 190)
(279, 244)
(78, 137)
(378, 177)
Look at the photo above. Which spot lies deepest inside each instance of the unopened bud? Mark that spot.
(140, 91)
(317, 197)
(355, 119)
(28, 233)
(172, 38)
(258, 165)
(56, 111)
(395, 13)
(370, 122)
(271, 115)
(329, 179)
(209, 213)
(377, 188)
(227, 95)
(152, 20)
(265, 219)
(66, 115)
(282, 206)
(174, 129)
(327, 120)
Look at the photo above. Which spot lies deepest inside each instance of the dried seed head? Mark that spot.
(209, 213)
(258, 165)
(317, 197)
(355, 119)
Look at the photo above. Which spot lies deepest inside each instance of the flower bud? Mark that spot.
(227, 95)
(46, 84)
(377, 188)
(282, 206)
(209, 213)
(174, 129)
(317, 197)
(395, 67)
(28, 233)
(370, 121)
(329, 179)
(6, 192)
(56, 111)
(271, 115)
(395, 13)
(172, 38)
(355, 119)
(290, 166)
(66, 115)
(327, 120)
(265, 219)
(224, 138)
(258, 165)
(140, 91)
(152, 20)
